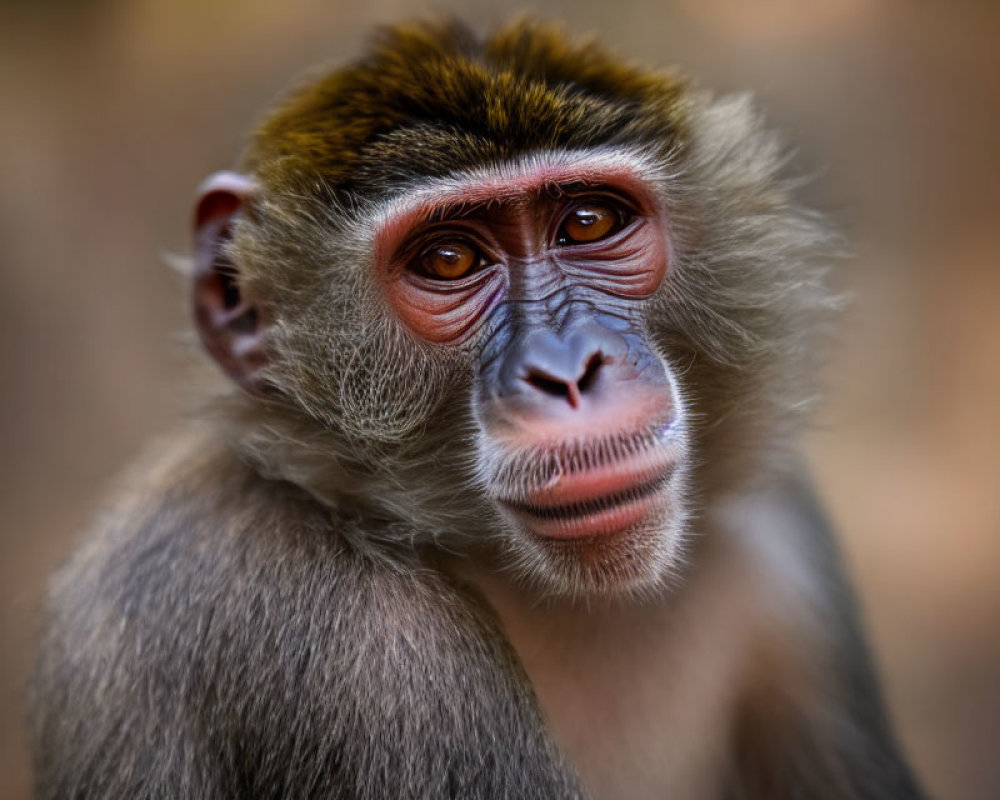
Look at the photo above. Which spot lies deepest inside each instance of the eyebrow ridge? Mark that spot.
(464, 209)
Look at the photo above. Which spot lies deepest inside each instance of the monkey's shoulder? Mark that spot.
(809, 672)
(234, 607)
(198, 537)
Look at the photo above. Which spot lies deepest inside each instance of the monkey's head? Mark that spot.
(511, 294)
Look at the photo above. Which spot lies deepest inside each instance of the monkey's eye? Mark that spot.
(589, 222)
(449, 261)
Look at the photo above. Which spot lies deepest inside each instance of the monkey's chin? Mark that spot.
(595, 517)
(629, 551)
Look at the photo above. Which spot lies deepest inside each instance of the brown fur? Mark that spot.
(397, 111)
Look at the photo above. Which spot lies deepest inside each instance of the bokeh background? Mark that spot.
(111, 113)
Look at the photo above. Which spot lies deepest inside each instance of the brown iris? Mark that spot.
(588, 223)
(449, 261)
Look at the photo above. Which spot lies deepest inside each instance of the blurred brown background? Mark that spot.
(112, 112)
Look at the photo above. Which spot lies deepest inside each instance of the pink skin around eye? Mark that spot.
(443, 311)
(629, 264)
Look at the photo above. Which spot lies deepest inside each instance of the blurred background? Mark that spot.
(111, 112)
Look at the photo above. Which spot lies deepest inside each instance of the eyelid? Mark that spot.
(427, 235)
(576, 194)
(471, 280)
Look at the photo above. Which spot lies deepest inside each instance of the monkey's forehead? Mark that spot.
(431, 99)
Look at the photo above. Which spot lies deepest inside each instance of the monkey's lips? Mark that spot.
(597, 502)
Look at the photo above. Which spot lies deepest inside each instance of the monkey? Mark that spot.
(501, 498)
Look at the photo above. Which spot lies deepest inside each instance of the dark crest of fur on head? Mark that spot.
(433, 98)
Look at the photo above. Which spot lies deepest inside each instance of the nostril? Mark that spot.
(554, 386)
(586, 380)
(548, 384)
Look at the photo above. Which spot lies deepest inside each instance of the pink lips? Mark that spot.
(596, 502)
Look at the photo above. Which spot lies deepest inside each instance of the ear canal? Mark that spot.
(231, 297)
(228, 320)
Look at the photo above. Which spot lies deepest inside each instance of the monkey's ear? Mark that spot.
(228, 320)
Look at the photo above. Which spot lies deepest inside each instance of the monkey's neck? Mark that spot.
(616, 679)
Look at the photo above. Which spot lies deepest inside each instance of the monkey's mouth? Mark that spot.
(604, 497)
(597, 515)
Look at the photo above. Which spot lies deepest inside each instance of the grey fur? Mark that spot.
(260, 615)
(220, 640)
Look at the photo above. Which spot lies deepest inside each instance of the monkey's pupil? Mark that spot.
(450, 261)
(589, 224)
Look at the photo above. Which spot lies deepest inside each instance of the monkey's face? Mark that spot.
(514, 298)
(540, 272)
(484, 287)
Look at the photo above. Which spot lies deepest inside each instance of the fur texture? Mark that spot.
(264, 613)
(739, 318)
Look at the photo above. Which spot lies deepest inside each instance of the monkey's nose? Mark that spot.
(556, 383)
(545, 372)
